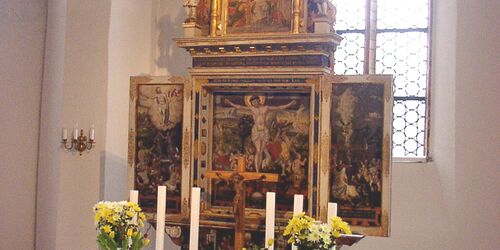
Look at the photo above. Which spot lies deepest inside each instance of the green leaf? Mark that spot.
(137, 242)
(105, 242)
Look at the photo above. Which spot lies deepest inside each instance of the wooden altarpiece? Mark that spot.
(272, 98)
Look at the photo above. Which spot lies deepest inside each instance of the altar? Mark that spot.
(261, 111)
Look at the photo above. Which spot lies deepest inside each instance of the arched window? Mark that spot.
(391, 37)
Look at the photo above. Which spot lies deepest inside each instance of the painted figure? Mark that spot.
(260, 132)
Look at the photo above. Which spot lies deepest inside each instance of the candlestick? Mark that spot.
(270, 208)
(134, 196)
(298, 207)
(332, 211)
(195, 218)
(160, 217)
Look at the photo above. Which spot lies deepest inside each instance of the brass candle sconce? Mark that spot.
(79, 141)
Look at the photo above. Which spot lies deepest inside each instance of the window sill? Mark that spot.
(411, 159)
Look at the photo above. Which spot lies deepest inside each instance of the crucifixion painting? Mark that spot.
(271, 130)
(260, 132)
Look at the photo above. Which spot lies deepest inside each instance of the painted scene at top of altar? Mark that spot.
(243, 17)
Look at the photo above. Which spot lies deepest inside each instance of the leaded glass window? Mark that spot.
(391, 37)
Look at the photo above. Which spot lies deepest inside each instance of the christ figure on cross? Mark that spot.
(260, 132)
(239, 177)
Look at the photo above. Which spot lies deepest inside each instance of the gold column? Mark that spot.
(213, 21)
(296, 16)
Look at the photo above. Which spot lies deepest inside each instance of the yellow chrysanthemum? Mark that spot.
(270, 242)
(339, 226)
(129, 232)
(130, 213)
(146, 242)
(106, 229)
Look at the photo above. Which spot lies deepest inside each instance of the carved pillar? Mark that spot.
(213, 20)
(296, 16)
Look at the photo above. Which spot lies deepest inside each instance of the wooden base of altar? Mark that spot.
(179, 235)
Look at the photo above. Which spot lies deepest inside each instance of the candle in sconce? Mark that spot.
(195, 218)
(75, 132)
(92, 133)
(270, 216)
(65, 134)
(160, 217)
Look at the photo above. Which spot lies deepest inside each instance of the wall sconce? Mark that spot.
(79, 141)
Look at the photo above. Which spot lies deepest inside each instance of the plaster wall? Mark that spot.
(22, 29)
(477, 124)
(130, 35)
(74, 91)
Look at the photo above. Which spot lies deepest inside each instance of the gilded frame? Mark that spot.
(136, 82)
(202, 139)
(381, 84)
(298, 17)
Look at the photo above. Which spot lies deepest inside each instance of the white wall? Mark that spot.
(477, 123)
(130, 35)
(22, 29)
(74, 91)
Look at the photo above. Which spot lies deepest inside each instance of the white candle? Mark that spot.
(195, 218)
(298, 204)
(298, 207)
(75, 133)
(270, 208)
(160, 217)
(332, 211)
(64, 134)
(92, 133)
(134, 196)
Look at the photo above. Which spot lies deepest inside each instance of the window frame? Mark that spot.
(369, 67)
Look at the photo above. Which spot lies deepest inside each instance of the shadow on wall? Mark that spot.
(171, 58)
(114, 180)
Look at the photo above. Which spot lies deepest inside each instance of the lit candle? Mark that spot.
(332, 211)
(160, 217)
(134, 196)
(92, 133)
(298, 207)
(64, 134)
(270, 208)
(195, 218)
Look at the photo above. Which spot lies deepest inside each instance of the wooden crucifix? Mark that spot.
(239, 177)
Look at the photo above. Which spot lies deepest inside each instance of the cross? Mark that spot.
(238, 178)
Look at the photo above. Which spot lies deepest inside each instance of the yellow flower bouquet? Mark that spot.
(307, 233)
(118, 225)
